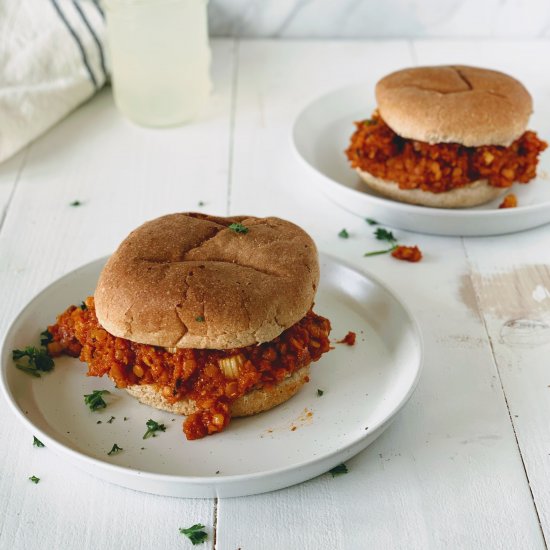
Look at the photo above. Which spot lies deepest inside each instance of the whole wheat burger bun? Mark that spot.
(454, 104)
(472, 194)
(190, 280)
(256, 401)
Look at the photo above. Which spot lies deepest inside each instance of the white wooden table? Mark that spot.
(467, 462)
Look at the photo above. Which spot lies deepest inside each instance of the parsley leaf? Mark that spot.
(34, 479)
(115, 450)
(38, 360)
(199, 319)
(195, 533)
(153, 427)
(369, 122)
(384, 235)
(201, 203)
(320, 392)
(370, 221)
(94, 399)
(45, 337)
(339, 470)
(238, 228)
(36, 442)
(110, 421)
(343, 234)
(75, 203)
(83, 306)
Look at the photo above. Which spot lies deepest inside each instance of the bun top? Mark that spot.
(454, 104)
(189, 281)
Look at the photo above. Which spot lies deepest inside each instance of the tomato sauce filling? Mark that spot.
(213, 379)
(440, 167)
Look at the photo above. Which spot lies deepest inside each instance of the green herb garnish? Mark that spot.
(339, 470)
(94, 399)
(115, 450)
(34, 479)
(110, 421)
(201, 203)
(83, 306)
(343, 234)
(238, 228)
(36, 442)
(38, 360)
(369, 122)
(46, 337)
(383, 235)
(320, 392)
(195, 533)
(199, 319)
(75, 203)
(153, 427)
(370, 221)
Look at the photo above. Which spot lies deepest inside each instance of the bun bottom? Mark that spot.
(256, 401)
(473, 194)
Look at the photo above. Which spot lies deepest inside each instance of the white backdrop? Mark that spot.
(380, 18)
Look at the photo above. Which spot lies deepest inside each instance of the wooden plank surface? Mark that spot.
(123, 175)
(447, 473)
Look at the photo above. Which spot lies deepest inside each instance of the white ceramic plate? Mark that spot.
(364, 387)
(320, 135)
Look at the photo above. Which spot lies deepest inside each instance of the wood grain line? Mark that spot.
(14, 186)
(479, 302)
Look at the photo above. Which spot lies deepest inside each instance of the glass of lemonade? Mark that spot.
(160, 59)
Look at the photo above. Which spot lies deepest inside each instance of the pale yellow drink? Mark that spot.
(160, 59)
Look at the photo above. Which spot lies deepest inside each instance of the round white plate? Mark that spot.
(364, 387)
(321, 134)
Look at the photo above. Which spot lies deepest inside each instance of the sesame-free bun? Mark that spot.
(256, 401)
(477, 192)
(189, 281)
(454, 104)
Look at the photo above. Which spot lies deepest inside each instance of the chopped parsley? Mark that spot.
(38, 360)
(36, 442)
(344, 234)
(339, 470)
(75, 203)
(95, 400)
(83, 306)
(115, 450)
(384, 235)
(370, 221)
(45, 337)
(238, 228)
(195, 533)
(34, 479)
(199, 319)
(153, 427)
(201, 203)
(110, 421)
(369, 122)
(320, 392)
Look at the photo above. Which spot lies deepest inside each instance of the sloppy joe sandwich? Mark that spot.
(446, 136)
(203, 316)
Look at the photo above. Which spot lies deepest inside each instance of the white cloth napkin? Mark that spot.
(52, 58)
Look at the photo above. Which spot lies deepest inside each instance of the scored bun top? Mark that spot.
(454, 104)
(189, 281)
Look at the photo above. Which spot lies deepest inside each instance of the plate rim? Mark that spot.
(382, 201)
(217, 480)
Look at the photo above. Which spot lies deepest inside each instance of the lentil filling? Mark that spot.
(211, 378)
(440, 167)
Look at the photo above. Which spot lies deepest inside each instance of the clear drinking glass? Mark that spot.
(160, 59)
